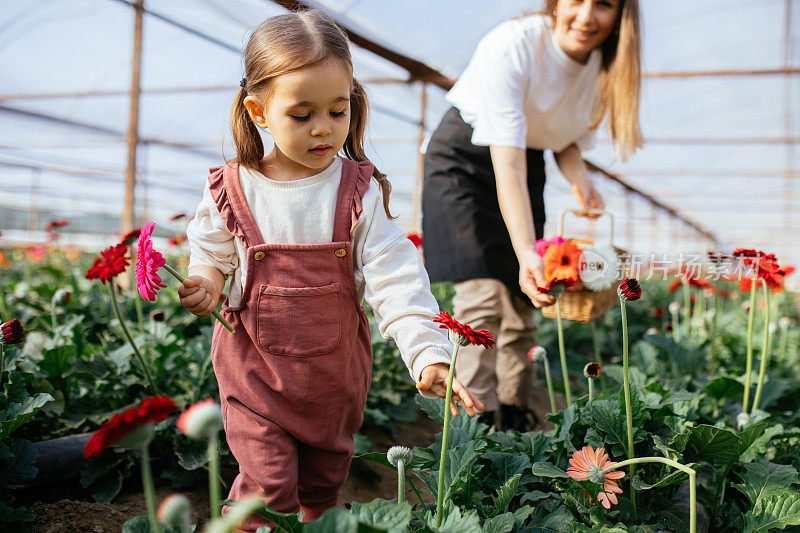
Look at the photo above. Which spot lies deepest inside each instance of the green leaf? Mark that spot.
(708, 443)
(57, 361)
(759, 445)
(610, 420)
(675, 476)
(542, 469)
(10, 514)
(459, 464)
(137, 524)
(505, 465)
(18, 463)
(383, 515)
(285, 522)
(500, 524)
(724, 387)
(534, 496)
(763, 479)
(432, 406)
(454, 521)
(558, 520)
(17, 414)
(564, 421)
(505, 494)
(777, 512)
(191, 454)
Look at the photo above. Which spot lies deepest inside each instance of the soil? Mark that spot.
(67, 508)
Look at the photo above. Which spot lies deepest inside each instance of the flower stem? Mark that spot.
(764, 352)
(676, 325)
(2, 363)
(784, 340)
(214, 312)
(591, 388)
(749, 367)
(445, 435)
(213, 474)
(713, 334)
(401, 480)
(674, 464)
(130, 339)
(149, 490)
(627, 388)
(561, 353)
(549, 381)
(687, 308)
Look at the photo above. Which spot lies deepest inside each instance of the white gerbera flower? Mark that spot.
(599, 266)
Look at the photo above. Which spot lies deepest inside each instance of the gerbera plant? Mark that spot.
(202, 421)
(148, 261)
(771, 276)
(133, 429)
(539, 354)
(11, 332)
(460, 335)
(628, 290)
(591, 371)
(400, 456)
(112, 262)
(594, 466)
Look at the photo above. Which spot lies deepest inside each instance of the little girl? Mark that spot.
(306, 236)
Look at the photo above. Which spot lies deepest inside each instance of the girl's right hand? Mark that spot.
(198, 295)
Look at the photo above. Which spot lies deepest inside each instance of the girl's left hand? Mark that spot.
(434, 379)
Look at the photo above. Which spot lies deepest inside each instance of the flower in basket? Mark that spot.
(415, 238)
(111, 263)
(598, 267)
(557, 285)
(542, 245)
(125, 428)
(588, 463)
(12, 333)
(562, 260)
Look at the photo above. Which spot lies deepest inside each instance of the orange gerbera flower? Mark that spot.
(589, 464)
(562, 261)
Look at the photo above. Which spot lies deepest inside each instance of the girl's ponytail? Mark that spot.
(249, 147)
(354, 144)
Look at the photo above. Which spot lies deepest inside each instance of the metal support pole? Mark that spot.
(132, 137)
(416, 208)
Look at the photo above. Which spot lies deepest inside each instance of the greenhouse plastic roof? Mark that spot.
(721, 149)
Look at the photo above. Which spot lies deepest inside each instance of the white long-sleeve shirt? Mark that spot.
(386, 265)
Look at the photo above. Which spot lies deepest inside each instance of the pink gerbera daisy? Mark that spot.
(148, 262)
(589, 464)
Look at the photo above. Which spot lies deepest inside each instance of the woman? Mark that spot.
(539, 82)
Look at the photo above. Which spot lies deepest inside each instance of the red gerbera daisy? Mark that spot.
(676, 283)
(463, 333)
(415, 238)
(111, 263)
(12, 332)
(148, 261)
(150, 411)
(180, 238)
(629, 289)
(562, 261)
(131, 236)
(57, 223)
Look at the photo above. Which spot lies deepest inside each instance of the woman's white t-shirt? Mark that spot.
(522, 90)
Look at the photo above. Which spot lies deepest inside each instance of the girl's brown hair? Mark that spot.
(286, 43)
(620, 78)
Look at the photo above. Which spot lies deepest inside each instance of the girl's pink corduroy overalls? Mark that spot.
(293, 379)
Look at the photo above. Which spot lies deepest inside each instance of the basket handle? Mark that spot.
(599, 213)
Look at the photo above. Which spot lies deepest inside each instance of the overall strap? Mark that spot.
(352, 187)
(226, 189)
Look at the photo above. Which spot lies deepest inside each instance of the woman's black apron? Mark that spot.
(463, 230)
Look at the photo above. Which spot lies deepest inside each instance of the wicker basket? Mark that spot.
(584, 305)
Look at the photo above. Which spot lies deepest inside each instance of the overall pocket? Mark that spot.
(300, 322)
